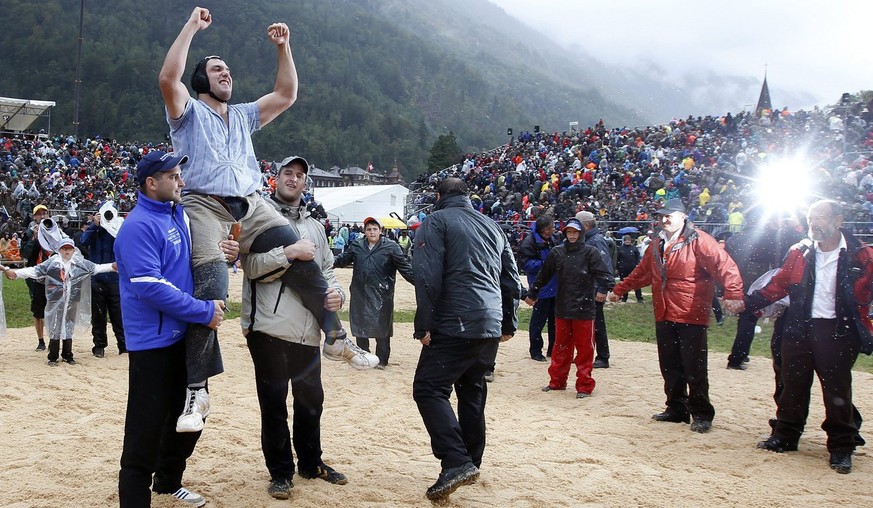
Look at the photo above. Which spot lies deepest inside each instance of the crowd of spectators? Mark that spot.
(71, 176)
(713, 163)
(618, 173)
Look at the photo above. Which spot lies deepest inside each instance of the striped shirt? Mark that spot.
(221, 157)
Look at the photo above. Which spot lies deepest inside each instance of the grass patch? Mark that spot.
(636, 322)
(630, 321)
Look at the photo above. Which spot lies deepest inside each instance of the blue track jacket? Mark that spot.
(153, 252)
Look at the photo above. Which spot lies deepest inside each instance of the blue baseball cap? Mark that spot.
(573, 224)
(156, 161)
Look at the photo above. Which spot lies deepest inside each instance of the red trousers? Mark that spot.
(570, 335)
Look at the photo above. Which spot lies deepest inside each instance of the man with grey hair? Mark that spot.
(682, 265)
(829, 279)
(594, 238)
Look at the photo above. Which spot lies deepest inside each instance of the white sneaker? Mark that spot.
(349, 351)
(191, 419)
(201, 396)
(188, 497)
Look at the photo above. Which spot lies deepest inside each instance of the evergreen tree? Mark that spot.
(444, 152)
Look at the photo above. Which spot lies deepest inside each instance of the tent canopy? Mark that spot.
(19, 114)
(356, 203)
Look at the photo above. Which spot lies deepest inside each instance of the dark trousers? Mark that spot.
(542, 315)
(716, 309)
(819, 352)
(450, 362)
(106, 300)
(682, 354)
(637, 292)
(156, 397)
(37, 298)
(278, 362)
(383, 347)
(746, 322)
(601, 341)
(54, 349)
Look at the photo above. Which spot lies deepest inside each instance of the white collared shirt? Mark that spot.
(824, 297)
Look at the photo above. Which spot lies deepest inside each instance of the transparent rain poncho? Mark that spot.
(67, 292)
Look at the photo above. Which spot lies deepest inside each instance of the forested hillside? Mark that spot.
(371, 88)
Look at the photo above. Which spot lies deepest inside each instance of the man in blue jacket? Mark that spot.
(153, 252)
(467, 292)
(105, 295)
(532, 252)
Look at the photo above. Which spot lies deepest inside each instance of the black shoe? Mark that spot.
(52, 363)
(326, 473)
(98, 351)
(539, 358)
(670, 416)
(69, 361)
(859, 441)
(733, 366)
(41, 345)
(746, 359)
(122, 350)
(489, 377)
(841, 462)
(701, 425)
(720, 322)
(641, 301)
(777, 445)
(601, 364)
(451, 479)
(280, 489)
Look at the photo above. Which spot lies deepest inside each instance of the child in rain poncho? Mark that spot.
(67, 288)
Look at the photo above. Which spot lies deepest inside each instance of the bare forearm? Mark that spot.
(177, 55)
(286, 74)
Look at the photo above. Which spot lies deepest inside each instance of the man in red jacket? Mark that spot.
(829, 281)
(682, 266)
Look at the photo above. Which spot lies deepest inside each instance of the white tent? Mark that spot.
(18, 114)
(356, 203)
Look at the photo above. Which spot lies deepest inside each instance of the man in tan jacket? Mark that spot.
(284, 338)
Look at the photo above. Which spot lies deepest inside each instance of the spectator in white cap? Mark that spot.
(594, 238)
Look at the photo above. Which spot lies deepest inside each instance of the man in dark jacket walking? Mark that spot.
(467, 291)
(532, 253)
(594, 238)
(376, 263)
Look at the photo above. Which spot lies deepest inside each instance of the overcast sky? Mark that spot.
(819, 46)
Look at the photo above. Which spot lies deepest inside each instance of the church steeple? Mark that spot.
(764, 98)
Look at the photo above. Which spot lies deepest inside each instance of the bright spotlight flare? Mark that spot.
(784, 185)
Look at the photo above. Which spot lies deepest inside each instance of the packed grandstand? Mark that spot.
(718, 165)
